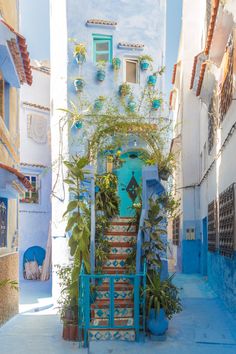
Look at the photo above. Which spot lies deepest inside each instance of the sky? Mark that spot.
(35, 27)
(174, 17)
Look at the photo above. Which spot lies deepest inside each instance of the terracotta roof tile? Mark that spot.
(19, 51)
(95, 21)
(170, 99)
(194, 70)
(18, 174)
(130, 45)
(215, 7)
(174, 74)
(201, 77)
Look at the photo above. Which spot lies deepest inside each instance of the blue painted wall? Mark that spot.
(222, 278)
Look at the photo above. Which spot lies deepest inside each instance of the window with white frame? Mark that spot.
(32, 196)
(132, 71)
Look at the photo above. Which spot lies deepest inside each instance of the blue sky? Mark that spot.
(35, 27)
(174, 16)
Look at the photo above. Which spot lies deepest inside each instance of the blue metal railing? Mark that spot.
(85, 318)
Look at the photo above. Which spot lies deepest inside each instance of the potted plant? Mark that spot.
(145, 61)
(156, 102)
(116, 63)
(101, 70)
(79, 84)
(152, 79)
(80, 53)
(162, 302)
(166, 166)
(124, 89)
(131, 104)
(77, 124)
(99, 102)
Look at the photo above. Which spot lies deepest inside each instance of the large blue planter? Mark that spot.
(152, 79)
(156, 104)
(79, 85)
(144, 64)
(157, 323)
(101, 74)
(80, 58)
(131, 106)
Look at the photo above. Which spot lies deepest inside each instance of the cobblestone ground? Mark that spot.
(204, 326)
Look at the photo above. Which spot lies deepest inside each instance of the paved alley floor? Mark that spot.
(203, 327)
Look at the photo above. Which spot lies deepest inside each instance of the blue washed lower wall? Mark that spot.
(222, 278)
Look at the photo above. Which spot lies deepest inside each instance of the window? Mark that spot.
(175, 230)
(33, 195)
(4, 100)
(131, 71)
(3, 222)
(102, 48)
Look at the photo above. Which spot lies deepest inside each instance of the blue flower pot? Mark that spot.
(116, 65)
(144, 64)
(80, 58)
(131, 106)
(98, 105)
(101, 74)
(152, 79)
(157, 323)
(156, 104)
(79, 85)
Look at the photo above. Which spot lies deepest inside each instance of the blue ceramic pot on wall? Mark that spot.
(157, 323)
(79, 84)
(131, 106)
(80, 58)
(78, 124)
(101, 74)
(156, 104)
(98, 105)
(144, 64)
(152, 79)
(116, 63)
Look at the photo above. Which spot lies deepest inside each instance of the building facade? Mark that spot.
(14, 71)
(108, 30)
(35, 162)
(203, 106)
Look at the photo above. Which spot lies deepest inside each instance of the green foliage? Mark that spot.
(145, 57)
(80, 48)
(101, 65)
(162, 294)
(7, 282)
(101, 253)
(66, 299)
(152, 227)
(78, 222)
(107, 200)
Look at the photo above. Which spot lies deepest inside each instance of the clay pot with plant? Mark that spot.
(145, 62)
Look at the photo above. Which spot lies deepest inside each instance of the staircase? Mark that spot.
(120, 237)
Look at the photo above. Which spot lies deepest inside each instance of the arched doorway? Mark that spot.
(129, 180)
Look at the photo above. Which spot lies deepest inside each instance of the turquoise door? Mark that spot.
(129, 179)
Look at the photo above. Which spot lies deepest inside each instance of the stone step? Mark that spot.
(122, 219)
(115, 263)
(118, 271)
(112, 334)
(120, 238)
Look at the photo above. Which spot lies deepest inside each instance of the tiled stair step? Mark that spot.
(122, 219)
(117, 281)
(120, 238)
(120, 233)
(128, 321)
(112, 334)
(106, 303)
(119, 312)
(120, 248)
(120, 294)
(118, 271)
(115, 262)
(118, 286)
(121, 227)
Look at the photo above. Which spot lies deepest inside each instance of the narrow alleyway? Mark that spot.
(203, 327)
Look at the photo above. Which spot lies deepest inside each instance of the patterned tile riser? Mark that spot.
(113, 238)
(118, 322)
(116, 263)
(112, 335)
(119, 312)
(125, 294)
(121, 228)
(121, 250)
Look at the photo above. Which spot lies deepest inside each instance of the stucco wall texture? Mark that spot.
(8, 296)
